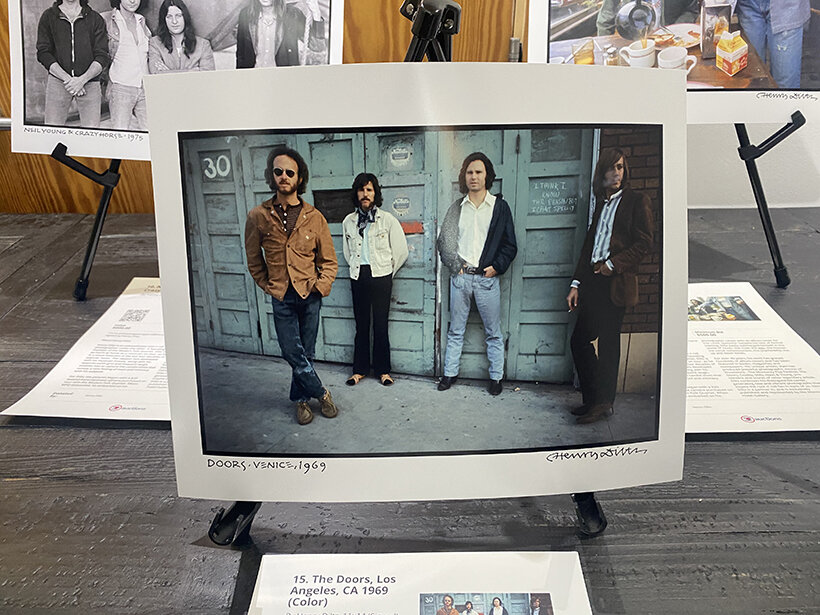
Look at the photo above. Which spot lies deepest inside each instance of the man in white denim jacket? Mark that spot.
(374, 248)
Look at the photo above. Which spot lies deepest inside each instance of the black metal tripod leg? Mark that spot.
(781, 275)
(81, 286)
(233, 526)
(591, 519)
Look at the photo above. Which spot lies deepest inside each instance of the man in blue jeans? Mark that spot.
(775, 30)
(477, 244)
(291, 257)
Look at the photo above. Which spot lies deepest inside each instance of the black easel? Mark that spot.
(749, 153)
(108, 181)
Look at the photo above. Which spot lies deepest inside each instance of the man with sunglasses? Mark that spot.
(291, 257)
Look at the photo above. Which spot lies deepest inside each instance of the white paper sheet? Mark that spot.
(28, 76)
(417, 583)
(747, 371)
(411, 95)
(116, 370)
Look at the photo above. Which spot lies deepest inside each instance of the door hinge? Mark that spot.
(259, 328)
(211, 324)
(517, 144)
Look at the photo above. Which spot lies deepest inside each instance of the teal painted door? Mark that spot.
(551, 206)
(500, 148)
(406, 164)
(225, 298)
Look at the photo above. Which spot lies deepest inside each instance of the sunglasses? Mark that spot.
(278, 172)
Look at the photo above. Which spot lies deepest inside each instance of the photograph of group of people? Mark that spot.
(373, 277)
(682, 34)
(85, 60)
(469, 603)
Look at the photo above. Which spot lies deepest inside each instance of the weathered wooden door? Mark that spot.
(550, 209)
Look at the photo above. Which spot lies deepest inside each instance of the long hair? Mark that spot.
(606, 161)
(362, 179)
(488, 166)
(301, 165)
(256, 10)
(188, 36)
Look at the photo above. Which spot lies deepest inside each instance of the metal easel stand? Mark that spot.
(108, 181)
(749, 153)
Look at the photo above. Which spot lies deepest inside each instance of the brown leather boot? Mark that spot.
(329, 408)
(304, 414)
(598, 412)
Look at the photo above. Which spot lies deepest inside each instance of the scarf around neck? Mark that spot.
(365, 218)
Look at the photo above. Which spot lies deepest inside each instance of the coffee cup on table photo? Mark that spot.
(640, 54)
(676, 58)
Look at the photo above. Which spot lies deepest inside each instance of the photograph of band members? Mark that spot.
(456, 252)
(476, 244)
(375, 248)
(94, 78)
(176, 47)
(72, 45)
(605, 282)
(291, 257)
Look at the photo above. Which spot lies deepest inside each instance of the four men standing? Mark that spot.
(291, 257)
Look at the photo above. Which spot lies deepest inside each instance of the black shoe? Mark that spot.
(446, 382)
(495, 387)
(580, 410)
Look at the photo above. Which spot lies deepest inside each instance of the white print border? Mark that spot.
(413, 95)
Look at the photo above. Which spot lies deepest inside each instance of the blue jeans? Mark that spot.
(296, 321)
(784, 50)
(58, 103)
(487, 293)
(125, 101)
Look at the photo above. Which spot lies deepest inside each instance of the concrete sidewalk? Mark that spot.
(247, 410)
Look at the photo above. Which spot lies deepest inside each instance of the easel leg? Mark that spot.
(780, 274)
(102, 210)
(591, 519)
(233, 526)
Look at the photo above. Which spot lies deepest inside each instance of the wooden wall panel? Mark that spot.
(374, 32)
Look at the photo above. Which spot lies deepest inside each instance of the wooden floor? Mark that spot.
(90, 523)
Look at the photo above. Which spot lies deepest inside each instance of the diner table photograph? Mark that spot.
(704, 74)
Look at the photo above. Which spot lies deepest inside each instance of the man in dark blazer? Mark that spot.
(605, 282)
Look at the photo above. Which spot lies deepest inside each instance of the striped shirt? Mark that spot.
(603, 234)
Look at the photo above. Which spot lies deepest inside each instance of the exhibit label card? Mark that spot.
(512, 583)
(115, 371)
(238, 431)
(747, 370)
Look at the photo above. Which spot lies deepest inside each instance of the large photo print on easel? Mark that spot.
(745, 60)
(79, 64)
(475, 298)
(388, 297)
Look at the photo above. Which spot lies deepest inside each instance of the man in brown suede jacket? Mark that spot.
(605, 282)
(291, 257)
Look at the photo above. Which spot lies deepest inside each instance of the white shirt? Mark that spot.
(473, 226)
(603, 234)
(131, 61)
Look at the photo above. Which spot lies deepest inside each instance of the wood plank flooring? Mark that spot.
(90, 521)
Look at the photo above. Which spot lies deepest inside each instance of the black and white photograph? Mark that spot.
(375, 293)
(80, 64)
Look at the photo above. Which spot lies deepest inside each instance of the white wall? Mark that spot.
(790, 173)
